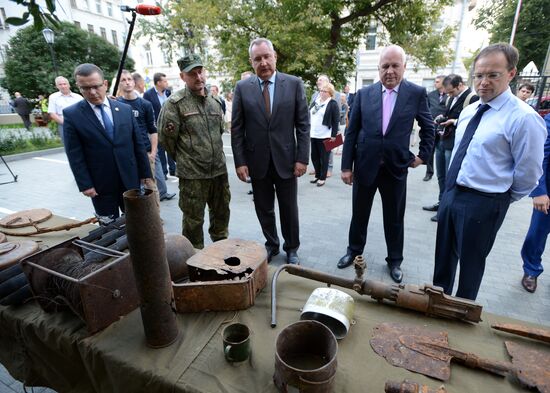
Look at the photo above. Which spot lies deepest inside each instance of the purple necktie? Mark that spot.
(386, 111)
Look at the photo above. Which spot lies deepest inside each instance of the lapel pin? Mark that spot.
(116, 108)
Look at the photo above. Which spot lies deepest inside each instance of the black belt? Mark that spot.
(486, 194)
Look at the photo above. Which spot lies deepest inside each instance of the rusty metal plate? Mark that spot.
(25, 218)
(225, 276)
(532, 366)
(386, 343)
(13, 252)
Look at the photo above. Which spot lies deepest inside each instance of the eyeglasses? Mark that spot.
(88, 88)
(324, 91)
(490, 75)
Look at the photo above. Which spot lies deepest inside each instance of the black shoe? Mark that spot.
(314, 181)
(529, 283)
(346, 260)
(396, 274)
(173, 173)
(433, 218)
(168, 196)
(428, 177)
(292, 258)
(271, 252)
(250, 192)
(432, 208)
(165, 177)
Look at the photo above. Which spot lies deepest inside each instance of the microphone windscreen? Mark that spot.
(145, 9)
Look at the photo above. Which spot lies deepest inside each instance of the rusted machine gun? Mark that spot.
(427, 298)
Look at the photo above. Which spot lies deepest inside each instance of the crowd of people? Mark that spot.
(486, 145)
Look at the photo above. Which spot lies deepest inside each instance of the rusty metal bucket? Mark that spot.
(305, 358)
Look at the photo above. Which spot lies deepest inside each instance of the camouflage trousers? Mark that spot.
(195, 194)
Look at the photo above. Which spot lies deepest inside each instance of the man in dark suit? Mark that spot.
(436, 103)
(270, 141)
(157, 95)
(459, 96)
(23, 109)
(103, 144)
(376, 154)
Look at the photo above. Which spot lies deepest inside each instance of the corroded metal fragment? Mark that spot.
(532, 366)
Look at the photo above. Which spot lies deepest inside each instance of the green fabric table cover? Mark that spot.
(54, 350)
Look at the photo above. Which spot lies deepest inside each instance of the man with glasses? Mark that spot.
(497, 159)
(103, 143)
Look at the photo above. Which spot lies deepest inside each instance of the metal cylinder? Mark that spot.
(148, 254)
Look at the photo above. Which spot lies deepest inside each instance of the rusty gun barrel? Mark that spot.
(428, 299)
(410, 387)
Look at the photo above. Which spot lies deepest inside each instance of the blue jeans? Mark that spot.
(442, 162)
(535, 242)
(159, 178)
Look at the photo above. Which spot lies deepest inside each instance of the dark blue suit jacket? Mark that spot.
(544, 181)
(94, 158)
(151, 96)
(365, 148)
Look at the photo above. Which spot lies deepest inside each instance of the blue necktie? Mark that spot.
(454, 168)
(107, 123)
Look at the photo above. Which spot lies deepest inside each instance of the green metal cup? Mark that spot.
(236, 342)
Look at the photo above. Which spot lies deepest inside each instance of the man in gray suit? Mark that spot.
(270, 141)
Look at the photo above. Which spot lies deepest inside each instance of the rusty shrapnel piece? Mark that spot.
(532, 367)
(225, 276)
(305, 358)
(524, 331)
(408, 386)
(428, 299)
(426, 352)
(100, 294)
(148, 255)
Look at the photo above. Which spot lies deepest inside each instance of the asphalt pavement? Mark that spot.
(46, 181)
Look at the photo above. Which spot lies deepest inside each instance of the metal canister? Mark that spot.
(305, 358)
(332, 307)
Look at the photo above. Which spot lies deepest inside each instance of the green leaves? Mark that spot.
(40, 18)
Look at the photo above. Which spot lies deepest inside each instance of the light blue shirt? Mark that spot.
(507, 149)
(271, 89)
(161, 96)
(393, 96)
(106, 108)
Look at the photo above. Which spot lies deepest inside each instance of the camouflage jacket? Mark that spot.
(195, 139)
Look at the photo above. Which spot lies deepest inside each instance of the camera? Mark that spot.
(440, 119)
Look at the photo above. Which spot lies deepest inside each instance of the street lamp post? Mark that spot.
(49, 36)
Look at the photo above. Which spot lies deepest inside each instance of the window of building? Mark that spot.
(165, 57)
(109, 9)
(115, 37)
(87, 4)
(367, 82)
(370, 43)
(77, 24)
(3, 24)
(103, 33)
(73, 4)
(90, 28)
(148, 55)
(98, 6)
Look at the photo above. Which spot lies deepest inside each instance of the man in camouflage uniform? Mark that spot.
(190, 127)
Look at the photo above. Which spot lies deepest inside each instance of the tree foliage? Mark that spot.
(39, 15)
(532, 33)
(310, 36)
(29, 67)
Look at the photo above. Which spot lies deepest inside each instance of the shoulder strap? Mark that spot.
(468, 99)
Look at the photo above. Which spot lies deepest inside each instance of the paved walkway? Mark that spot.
(325, 214)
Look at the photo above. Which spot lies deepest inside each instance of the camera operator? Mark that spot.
(459, 97)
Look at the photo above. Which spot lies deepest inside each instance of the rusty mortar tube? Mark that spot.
(148, 255)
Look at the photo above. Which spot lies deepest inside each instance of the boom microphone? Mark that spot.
(142, 9)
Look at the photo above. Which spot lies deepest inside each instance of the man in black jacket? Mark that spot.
(436, 102)
(23, 109)
(459, 97)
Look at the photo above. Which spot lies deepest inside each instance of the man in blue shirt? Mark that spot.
(535, 241)
(496, 160)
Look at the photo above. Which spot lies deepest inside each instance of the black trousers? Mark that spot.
(26, 121)
(166, 161)
(109, 203)
(394, 195)
(467, 225)
(287, 197)
(319, 158)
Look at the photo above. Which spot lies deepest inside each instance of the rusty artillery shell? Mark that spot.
(148, 254)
